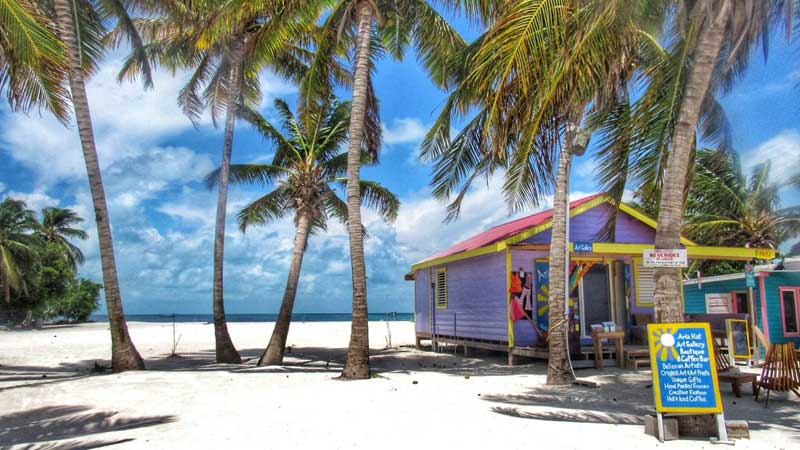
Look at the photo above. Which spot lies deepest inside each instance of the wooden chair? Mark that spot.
(781, 371)
(725, 374)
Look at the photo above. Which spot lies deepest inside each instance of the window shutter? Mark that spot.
(441, 288)
(645, 286)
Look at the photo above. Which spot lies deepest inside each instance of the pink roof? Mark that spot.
(506, 230)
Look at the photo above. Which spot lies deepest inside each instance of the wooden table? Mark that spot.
(598, 336)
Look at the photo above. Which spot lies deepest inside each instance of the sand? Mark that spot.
(418, 399)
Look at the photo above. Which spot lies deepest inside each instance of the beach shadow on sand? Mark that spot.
(625, 398)
(322, 359)
(66, 427)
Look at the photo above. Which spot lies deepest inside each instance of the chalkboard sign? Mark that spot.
(739, 338)
(684, 371)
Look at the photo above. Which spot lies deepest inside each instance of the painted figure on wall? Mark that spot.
(520, 288)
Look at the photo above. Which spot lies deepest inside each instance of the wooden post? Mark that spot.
(751, 303)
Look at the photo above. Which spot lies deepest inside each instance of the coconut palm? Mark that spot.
(57, 226)
(374, 26)
(32, 60)
(725, 208)
(17, 245)
(226, 45)
(81, 25)
(531, 78)
(306, 172)
(721, 34)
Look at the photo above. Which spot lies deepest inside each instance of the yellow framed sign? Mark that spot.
(684, 368)
(739, 338)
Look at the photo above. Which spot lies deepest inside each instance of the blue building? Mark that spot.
(776, 297)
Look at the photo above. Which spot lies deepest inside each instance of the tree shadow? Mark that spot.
(327, 359)
(625, 398)
(59, 423)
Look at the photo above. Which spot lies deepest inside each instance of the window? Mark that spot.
(789, 296)
(441, 288)
(741, 304)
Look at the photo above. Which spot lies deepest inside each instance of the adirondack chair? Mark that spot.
(781, 371)
(727, 374)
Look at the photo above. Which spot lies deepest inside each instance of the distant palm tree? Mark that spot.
(17, 245)
(57, 227)
(400, 23)
(306, 171)
(226, 45)
(724, 208)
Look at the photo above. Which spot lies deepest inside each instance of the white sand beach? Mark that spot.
(418, 399)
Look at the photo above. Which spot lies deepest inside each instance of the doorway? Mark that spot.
(595, 298)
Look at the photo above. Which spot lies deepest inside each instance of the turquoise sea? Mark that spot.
(326, 317)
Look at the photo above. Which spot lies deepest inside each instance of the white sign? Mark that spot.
(665, 258)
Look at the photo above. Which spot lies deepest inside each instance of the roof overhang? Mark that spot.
(694, 251)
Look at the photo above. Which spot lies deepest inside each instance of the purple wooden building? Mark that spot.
(464, 295)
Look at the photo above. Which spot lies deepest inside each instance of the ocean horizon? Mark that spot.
(300, 317)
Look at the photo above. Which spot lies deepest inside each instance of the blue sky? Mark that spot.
(154, 160)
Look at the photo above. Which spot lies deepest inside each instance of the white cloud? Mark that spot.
(403, 130)
(586, 168)
(483, 207)
(127, 120)
(783, 151)
(35, 200)
(2, 187)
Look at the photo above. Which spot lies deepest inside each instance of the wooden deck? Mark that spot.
(634, 356)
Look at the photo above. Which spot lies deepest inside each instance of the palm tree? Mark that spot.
(306, 170)
(32, 60)
(724, 208)
(399, 23)
(721, 34)
(531, 77)
(81, 27)
(57, 226)
(226, 44)
(17, 245)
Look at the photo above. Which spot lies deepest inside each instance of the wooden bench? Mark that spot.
(636, 358)
(727, 374)
(781, 371)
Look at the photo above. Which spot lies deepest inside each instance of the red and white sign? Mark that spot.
(661, 257)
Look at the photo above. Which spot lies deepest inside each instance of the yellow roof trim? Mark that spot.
(695, 250)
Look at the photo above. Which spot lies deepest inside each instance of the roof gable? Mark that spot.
(521, 229)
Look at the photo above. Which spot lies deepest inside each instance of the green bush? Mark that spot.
(80, 300)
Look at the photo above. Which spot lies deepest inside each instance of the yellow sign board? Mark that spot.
(684, 368)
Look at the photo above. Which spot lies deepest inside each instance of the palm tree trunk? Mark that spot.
(124, 355)
(356, 366)
(558, 364)
(277, 343)
(667, 297)
(225, 351)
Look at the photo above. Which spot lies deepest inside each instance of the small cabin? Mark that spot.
(463, 295)
(775, 296)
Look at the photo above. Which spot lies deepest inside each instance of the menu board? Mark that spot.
(739, 338)
(684, 371)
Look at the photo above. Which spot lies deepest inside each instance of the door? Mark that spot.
(595, 298)
(740, 303)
